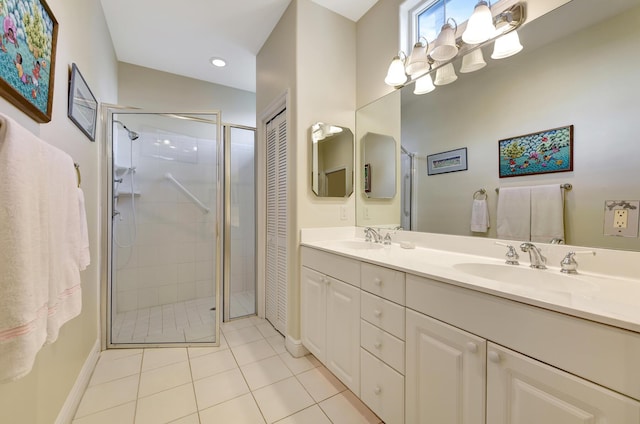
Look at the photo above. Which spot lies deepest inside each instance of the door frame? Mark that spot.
(105, 169)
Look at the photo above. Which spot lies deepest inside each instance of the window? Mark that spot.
(424, 18)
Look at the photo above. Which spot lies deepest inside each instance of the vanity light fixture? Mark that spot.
(396, 75)
(418, 62)
(472, 61)
(507, 45)
(445, 75)
(480, 25)
(446, 49)
(424, 85)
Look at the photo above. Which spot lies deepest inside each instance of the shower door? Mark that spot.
(240, 222)
(164, 173)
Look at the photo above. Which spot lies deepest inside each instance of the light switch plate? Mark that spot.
(621, 218)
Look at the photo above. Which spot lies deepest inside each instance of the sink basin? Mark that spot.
(523, 276)
(359, 245)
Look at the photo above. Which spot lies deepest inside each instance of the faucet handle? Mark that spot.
(387, 239)
(511, 255)
(568, 265)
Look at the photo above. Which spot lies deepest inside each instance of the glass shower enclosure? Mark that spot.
(165, 251)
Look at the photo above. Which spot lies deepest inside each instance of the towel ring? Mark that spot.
(77, 166)
(480, 193)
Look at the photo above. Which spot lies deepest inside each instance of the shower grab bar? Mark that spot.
(187, 193)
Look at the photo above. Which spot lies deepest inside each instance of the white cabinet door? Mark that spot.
(343, 333)
(313, 312)
(445, 373)
(522, 390)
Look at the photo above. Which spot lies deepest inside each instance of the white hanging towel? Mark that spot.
(480, 216)
(39, 272)
(514, 213)
(547, 213)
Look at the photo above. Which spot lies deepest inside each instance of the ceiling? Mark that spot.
(180, 38)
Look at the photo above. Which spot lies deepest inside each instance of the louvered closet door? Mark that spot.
(276, 260)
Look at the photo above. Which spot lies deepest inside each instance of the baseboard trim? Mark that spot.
(70, 406)
(295, 347)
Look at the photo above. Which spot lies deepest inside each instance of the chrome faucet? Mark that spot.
(372, 235)
(568, 265)
(536, 258)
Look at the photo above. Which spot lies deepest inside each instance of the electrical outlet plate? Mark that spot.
(621, 218)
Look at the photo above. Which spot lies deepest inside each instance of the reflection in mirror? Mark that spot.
(379, 158)
(576, 69)
(332, 160)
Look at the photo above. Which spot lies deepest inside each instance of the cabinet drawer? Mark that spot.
(382, 389)
(336, 266)
(384, 282)
(382, 345)
(383, 314)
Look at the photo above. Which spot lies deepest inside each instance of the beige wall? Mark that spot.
(83, 38)
(311, 56)
(162, 91)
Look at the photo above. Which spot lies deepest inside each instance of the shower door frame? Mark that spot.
(106, 211)
(226, 273)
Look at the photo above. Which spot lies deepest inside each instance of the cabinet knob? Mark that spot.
(494, 356)
(377, 313)
(377, 281)
(377, 390)
(472, 347)
(377, 344)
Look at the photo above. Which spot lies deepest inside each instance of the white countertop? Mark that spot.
(609, 300)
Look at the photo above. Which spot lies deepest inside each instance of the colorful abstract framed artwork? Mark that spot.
(28, 56)
(538, 153)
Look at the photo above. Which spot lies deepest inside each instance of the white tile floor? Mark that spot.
(249, 379)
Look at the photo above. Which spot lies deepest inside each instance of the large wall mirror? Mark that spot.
(332, 160)
(577, 68)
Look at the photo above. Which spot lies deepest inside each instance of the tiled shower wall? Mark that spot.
(172, 256)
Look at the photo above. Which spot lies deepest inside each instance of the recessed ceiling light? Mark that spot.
(218, 62)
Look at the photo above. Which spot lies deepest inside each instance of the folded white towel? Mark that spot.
(514, 213)
(65, 242)
(547, 213)
(24, 243)
(480, 216)
(40, 245)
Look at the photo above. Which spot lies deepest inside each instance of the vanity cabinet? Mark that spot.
(330, 315)
(446, 365)
(446, 373)
(521, 390)
(418, 350)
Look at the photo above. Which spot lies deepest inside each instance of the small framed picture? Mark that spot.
(538, 153)
(83, 107)
(451, 161)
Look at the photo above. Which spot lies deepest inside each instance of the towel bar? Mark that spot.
(565, 186)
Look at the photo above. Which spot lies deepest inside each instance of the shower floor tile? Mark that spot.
(246, 383)
(188, 321)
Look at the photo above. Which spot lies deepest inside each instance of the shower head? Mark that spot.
(132, 134)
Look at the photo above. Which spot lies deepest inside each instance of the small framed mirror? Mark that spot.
(379, 165)
(331, 160)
